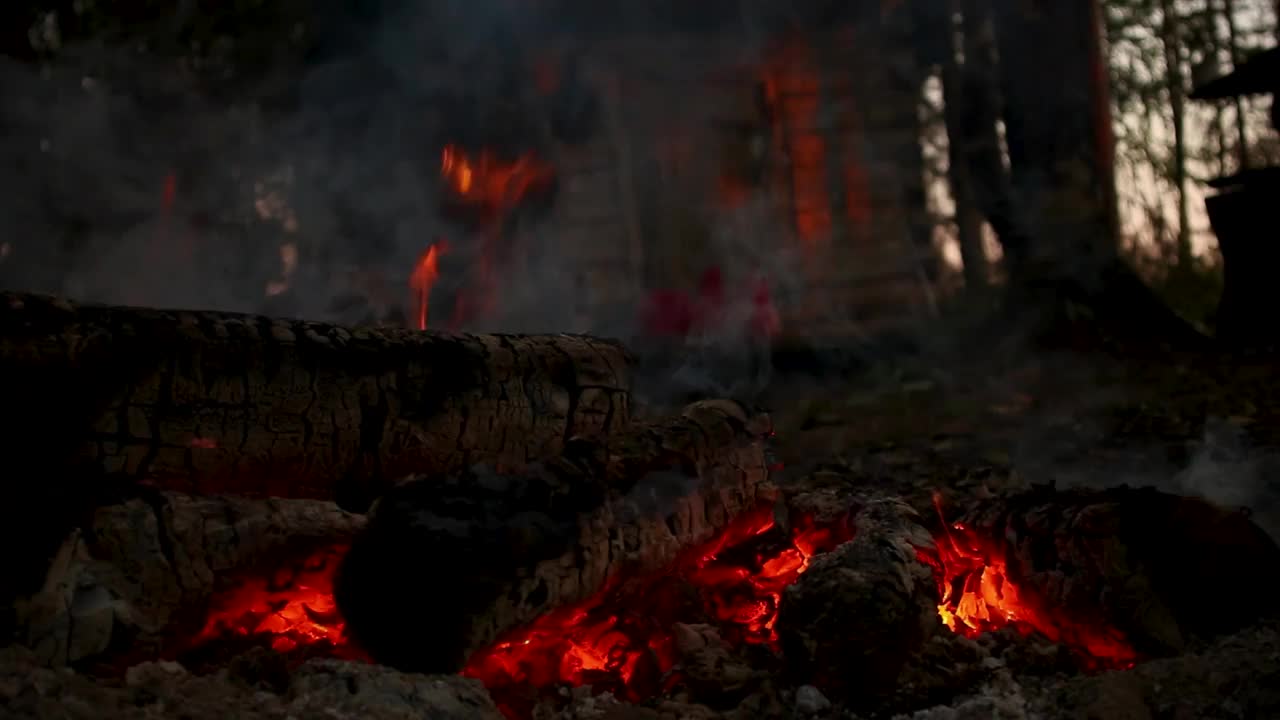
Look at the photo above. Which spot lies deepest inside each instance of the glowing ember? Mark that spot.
(978, 596)
(292, 608)
(490, 182)
(621, 640)
(425, 273)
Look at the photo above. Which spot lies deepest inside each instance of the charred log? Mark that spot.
(492, 552)
(140, 571)
(211, 402)
(1160, 568)
(858, 613)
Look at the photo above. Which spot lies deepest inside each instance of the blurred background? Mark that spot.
(809, 171)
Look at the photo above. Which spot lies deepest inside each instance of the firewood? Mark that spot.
(855, 617)
(447, 565)
(224, 403)
(145, 569)
(1158, 568)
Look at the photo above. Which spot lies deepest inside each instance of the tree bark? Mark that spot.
(489, 553)
(208, 402)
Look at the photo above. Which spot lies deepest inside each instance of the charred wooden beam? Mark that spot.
(855, 617)
(144, 570)
(209, 402)
(1160, 568)
(448, 564)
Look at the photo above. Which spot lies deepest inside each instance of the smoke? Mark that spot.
(1228, 471)
(308, 183)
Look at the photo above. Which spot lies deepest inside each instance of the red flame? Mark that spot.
(490, 182)
(978, 596)
(291, 608)
(425, 273)
(620, 640)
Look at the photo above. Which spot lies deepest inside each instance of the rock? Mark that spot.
(811, 701)
(355, 690)
(319, 689)
(1237, 677)
(714, 673)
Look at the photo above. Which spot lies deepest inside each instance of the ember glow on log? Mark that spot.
(979, 596)
(621, 640)
(286, 610)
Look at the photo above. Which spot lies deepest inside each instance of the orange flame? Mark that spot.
(425, 273)
(487, 181)
(978, 596)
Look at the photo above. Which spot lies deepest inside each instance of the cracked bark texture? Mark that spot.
(446, 566)
(141, 570)
(1160, 568)
(210, 402)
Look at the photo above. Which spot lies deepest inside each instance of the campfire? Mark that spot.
(592, 555)
(622, 641)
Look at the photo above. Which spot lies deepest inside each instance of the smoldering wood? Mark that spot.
(140, 571)
(1160, 568)
(855, 617)
(447, 565)
(211, 402)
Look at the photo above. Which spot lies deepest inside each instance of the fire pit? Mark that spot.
(843, 591)
(662, 563)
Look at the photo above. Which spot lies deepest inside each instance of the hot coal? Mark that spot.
(978, 593)
(623, 640)
(290, 610)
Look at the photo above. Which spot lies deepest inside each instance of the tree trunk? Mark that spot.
(973, 103)
(1176, 88)
(208, 402)
(1058, 131)
(489, 553)
(1233, 46)
(956, 105)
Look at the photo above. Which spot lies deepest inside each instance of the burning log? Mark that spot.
(854, 618)
(1114, 573)
(491, 552)
(209, 402)
(141, 571)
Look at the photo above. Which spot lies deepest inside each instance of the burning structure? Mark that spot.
(636, 188)
(562, 165)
